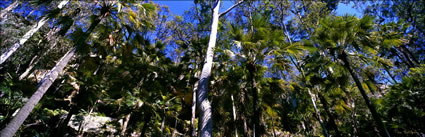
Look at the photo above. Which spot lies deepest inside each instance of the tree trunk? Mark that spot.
(395, 52)
(332, 122)
(175, 130)
(406, 52)
(274, 132)
(125, 124)
(28, 35)
(383, 130)
(252, 69)
(386, 68)
(29, 14)
(44, 84)
(234, 115)
(243, 96)
(192, 120)
(61, 128)
(205, 119)
(325, 131)
(9, 8)
(162, 125)
(147, 118)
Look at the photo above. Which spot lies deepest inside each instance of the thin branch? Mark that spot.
(229, 9)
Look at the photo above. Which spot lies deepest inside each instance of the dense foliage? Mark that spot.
(279, 68)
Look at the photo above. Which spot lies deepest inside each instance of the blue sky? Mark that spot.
(343, 9)
(177, 7)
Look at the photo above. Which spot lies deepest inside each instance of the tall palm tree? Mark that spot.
(339, 35)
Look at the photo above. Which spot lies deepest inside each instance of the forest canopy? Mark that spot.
(221, 68)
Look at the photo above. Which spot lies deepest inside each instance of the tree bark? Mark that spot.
(205, 119)
(383, 130)
(192, 120)
(28, 35)
(44, 84)
(234, 115)
(9, 8)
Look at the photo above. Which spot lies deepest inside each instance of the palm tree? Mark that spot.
(337, 36)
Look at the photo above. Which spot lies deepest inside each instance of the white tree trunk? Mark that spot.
(9, 8)
(28, 35)
(234, 115)
(325, 131)
(192, 121)
(205, 119)
(47, 81)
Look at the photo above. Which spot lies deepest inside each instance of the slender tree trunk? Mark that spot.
(332, 122)
(274, 132)
(146, 124)
(405, 60)
(125, 124)
(243, 96)
(28, 35)
(205, 119)
(29, 14)
(255, 117)
(383, 130)
(162, 125)
(395, 52)
(387, 69)
(195, 88)
(9, 8)
(44, 84)
(234, 115)
(175, 130)
(61, 128)
(406, 52)
(325, 131)
(350, 102)
(192, 120)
